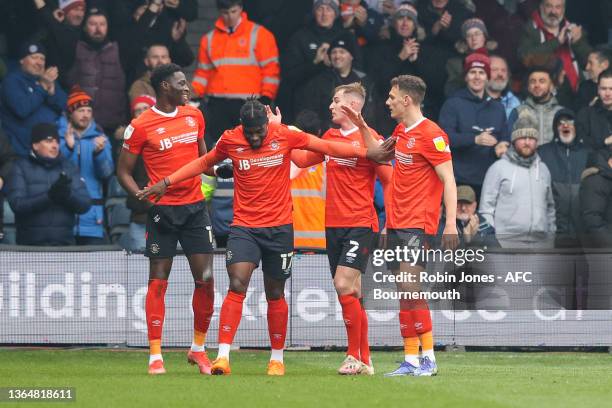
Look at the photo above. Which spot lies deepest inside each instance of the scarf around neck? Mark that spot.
(563, 52)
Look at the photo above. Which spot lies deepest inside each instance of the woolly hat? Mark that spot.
(331, 3)
(44, 131)
(148, 99)
(406, 10)
(29, 48)
(526, 125)
(473, 23)
(477, 60)
(345, 41)
(67, 5)
(77, 99)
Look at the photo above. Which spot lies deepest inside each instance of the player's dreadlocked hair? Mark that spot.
(253, 113)
(161, 73)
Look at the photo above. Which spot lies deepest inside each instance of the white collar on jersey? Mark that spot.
(168, 115)
(348, 132)
(415, 124)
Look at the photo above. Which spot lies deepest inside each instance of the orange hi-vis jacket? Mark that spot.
(237, 65)
(308, 193)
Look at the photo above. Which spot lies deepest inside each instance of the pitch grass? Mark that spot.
(106, 378)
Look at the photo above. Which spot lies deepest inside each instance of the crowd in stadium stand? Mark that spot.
(523, 88)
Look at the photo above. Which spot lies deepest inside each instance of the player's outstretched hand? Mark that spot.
(274, 117)
(354, 116)
(157, 190)
(382, 153)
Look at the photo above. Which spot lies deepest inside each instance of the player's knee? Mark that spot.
(207, 276)
(344, 286)
(239, 286)
(274, 293)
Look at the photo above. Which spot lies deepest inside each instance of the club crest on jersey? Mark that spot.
(440, 144)
(190, 121)
(411, 143)
(154, 248)
(228, 255)
(274, 145)
(356, 143)
(128, 132)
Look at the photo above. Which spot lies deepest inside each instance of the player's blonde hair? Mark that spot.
(354, 88)
(412, 86)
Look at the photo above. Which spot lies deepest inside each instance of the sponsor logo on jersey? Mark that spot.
(128, 133)
(269, 161)
(404, 158)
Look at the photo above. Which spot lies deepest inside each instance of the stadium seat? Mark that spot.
(10, 231)
(115, 189)
(117, 217)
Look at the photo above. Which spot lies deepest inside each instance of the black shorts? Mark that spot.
(411, 238)
(188, 224)
(273, 246)
(349, 247)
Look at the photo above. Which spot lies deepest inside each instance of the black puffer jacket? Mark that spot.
(596, 200)
(566, 163)
(594, 125)
(319, 91)
(39, 220)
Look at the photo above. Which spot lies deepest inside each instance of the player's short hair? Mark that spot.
(605, 74)
(253, 113)
(228, 4)
(412, 86)
(354, 88)
(161, 74)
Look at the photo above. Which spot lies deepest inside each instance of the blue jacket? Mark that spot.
(24, 104)
(95, 168)
(463, 116)
(39, 220)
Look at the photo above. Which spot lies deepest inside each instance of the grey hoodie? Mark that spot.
(517, 201)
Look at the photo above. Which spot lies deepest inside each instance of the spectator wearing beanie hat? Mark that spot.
(517, 198)
(363, 21)
(317, 93)
(306, 54)
(475, 38)
(29, 95)
(63, 25)
(475, 124)
(406, 52)
(442, 20)
(45, 191)
(85, 145)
